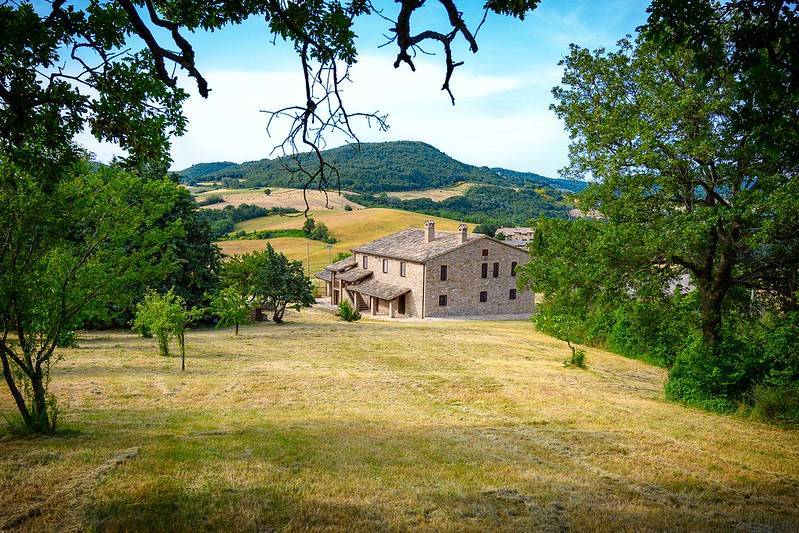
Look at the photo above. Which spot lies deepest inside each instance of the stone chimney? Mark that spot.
(463, 229)
(429, 230)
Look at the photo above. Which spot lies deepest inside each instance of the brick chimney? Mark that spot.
(463, 229)
(429, 230)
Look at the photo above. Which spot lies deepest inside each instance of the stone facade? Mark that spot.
(401, 275)
(464, 281)
(413, 280)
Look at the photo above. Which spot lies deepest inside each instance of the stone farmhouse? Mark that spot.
(518, 236)
(424, 273)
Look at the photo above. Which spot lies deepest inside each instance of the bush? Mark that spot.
(348, 207)
(211, 199)
(776, 403)
(577, 359)
(347, 312)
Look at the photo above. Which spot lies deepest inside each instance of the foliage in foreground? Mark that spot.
(69, 249)
(690, 133)
(590, 300)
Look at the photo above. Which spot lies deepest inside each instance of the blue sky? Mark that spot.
(501, 116)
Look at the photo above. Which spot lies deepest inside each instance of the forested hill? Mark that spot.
(374, 168)
(532, 177)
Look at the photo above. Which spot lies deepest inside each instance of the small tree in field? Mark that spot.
(233, 305)
(271, 279)
(164, 317)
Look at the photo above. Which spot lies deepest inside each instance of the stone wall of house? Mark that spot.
(413, 279)
(465, 282)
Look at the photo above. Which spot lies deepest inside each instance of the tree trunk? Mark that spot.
(40, 422)
(711, 300)
(277, 316)
(163, 346)
(237, 328)
(15, 392)
(182, 341)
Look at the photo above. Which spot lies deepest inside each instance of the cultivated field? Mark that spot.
(278, 198)
(377, 425)
(434, 194)
(352, 228)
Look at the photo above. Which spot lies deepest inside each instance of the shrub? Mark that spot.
(211, 199)
(577, 359)
(348, 207)
(778, 403)
(347, 312)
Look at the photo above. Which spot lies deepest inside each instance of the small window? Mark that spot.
(513, 268)
(402, 269)
(443, 272)
(485, 252)
(484, 272)
(483, 296)
(512, 294)
(496, 270)
(365, 262)
(442, 300)
(385, 266)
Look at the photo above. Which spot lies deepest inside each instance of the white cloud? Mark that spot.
(497, 120)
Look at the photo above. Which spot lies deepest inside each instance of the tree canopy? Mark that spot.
(689, 131)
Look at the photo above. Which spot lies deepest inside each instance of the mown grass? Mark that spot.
(436, 195)
(351, 228)
(377, 425)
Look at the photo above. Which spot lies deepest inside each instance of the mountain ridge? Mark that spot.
(374, 168)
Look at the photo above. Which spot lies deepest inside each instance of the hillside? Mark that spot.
(373, 168)
(531, 177)
(321, 425)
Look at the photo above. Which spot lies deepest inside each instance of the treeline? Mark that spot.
(310, 230)
(481, 204)
(223, 221)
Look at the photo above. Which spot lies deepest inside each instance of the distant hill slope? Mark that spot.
(198, 172)
(374, 168)
(532, 177)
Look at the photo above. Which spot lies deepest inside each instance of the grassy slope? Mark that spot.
(352, 228)
(388, 425)
(434, 194)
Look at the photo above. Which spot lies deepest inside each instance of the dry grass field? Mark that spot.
(377, 425)
(434, 194)
(279, 198)
(352, 228)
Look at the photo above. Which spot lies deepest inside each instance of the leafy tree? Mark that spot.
(487, 229)
(682, 183)
(309, 226)
(233, 306)
(268, 191)
(272, 279)
(165, 316)
(64, 254)
(692, 178)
